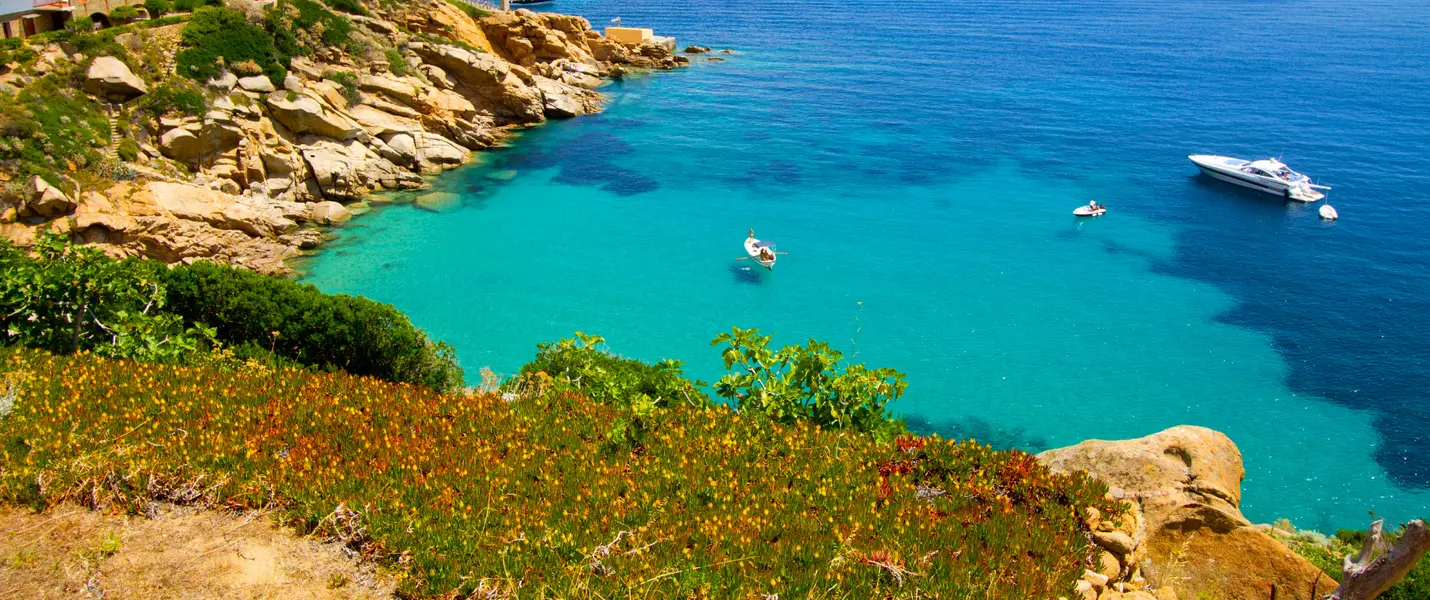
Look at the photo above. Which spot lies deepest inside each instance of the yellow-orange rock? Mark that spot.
(1184, 490)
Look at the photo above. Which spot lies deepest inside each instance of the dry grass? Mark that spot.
(72, 552)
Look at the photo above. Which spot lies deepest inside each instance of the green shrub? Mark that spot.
(299, 25)
(165, 21)
(349, 83)
(395, 64)
(215, 34)
(806, 384)
(80, 24)
(1329, 558)
(101, 43)
(193, 5)
(173, 96)
(584, 365)
(48, 126)
(14, 50)
(348, 6)
(128, 150)
(157, 8)
(70, 298)
(472, 11)
(124, 13)
(298, 322)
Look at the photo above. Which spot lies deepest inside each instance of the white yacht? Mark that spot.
(1269, 175)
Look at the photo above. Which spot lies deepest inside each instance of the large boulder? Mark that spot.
(328, 212)
(110, 79)
(257, 83)
(402, 90)
(1185, 529)
(380, 123)
(427, 152)
(499, 86)
(563, 101)
(46, 201)
(349, 169)
(181, 144)
(303, 114)
(215, 208)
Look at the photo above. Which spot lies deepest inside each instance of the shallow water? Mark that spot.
(920, 163)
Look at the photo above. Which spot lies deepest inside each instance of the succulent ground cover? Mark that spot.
(544, 493)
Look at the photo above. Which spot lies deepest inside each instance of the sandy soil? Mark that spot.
(71, 552)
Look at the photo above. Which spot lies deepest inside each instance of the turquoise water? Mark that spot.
(920, 163)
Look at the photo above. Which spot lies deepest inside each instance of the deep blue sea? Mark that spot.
(920, 161)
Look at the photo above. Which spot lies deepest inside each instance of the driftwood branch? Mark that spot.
(1367, 576)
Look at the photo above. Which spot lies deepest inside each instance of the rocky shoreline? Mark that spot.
(259, 176)
(1183, 535)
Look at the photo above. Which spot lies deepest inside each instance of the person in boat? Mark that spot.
(765, 254)
(752, 233)
(1092, 205)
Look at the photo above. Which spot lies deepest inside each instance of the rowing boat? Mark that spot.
(754, 246)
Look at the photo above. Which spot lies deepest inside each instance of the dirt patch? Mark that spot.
(71, 552)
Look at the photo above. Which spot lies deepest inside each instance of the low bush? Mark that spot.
(193, 5)
(124, 14)
(472, 11)
(48, 126)
(1329, 558)
(808, 383)
(14, 50)
(395, 63)
(484, 497)
(584, 365)
(165, 21)
(300, 323)
(157, 8)
(174, 96)
(80, 24)
(128, 150)
(215, 37)
(353, 7)
(300, 25)
(348, 81)
(72, 298)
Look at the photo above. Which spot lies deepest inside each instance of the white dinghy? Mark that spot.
(1090, 210)
(1329, 213)
(761, 252)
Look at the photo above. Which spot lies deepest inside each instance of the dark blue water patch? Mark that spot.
(584, 159)
(975, 428)
(774, 172)
(1358, 344)
(743, 274)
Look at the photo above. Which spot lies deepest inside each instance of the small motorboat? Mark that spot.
(762, 252)
(1269, 175)
(1329, 213)
(1089, 210)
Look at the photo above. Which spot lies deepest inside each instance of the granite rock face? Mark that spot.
(111, 79)
(252, 180)
(1184, 528)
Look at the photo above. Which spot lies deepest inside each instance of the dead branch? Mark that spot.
(897, 572)
(1368, 576)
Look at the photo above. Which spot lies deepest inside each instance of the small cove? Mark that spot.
(923, 189)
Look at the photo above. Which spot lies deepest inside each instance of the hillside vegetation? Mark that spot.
(540, 492)
(67, 298)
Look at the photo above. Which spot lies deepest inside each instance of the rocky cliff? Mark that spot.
(250, 180)
(1184, 534)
